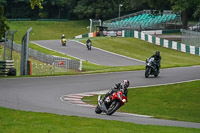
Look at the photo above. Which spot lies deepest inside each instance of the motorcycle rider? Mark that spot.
(63, 36)
(63, 40)
(120, 86)
(89, 41)
(157, 59)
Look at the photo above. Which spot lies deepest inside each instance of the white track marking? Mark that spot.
(76, 98)
(165, 84)
(136, 115)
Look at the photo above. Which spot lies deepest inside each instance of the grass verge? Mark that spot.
(138, 49)
(15, 121)
(175, 102)
(48, 30)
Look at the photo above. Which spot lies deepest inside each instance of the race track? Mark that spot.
(43, 94)
(96, 56)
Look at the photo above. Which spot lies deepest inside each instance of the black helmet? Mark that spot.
(157, 53)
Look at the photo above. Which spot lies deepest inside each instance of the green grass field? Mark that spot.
(15, 121)
(175, 102)
(141, 50)
(49, 30)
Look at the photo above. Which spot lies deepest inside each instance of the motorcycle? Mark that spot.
(63, 41)
(111, 103)
(151, 68)
(89, 45)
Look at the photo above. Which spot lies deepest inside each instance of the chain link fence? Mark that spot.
(1, 51)
(8, 44)
(191, 38)
(50, 62)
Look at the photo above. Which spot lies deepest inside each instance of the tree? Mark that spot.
(36, 3)
(130, 6)
(3, 26)
(159, 4)
(104, 9)
(184, 6)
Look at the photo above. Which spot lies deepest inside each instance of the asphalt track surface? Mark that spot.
(43, 94)
(96, 56)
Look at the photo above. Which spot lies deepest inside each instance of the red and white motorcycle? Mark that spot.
(111, 103)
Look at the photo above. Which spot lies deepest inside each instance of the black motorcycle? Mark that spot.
(89, 45)
(151, 68)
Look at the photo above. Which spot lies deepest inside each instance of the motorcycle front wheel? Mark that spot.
(113, 107)
(98, 110)
(147, 71)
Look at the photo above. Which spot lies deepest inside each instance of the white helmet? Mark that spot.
(125, 84)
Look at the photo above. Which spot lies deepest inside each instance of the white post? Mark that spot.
(119, 9)
(52, 68)
(36, 71)
(100, 22)
(80, 66)
(17, 64)
(90, 25)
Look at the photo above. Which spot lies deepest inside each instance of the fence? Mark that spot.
(62, 65)
(191, 38)
(9, 35)
(50, 59)
(163, 42)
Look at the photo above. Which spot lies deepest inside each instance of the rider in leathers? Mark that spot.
(120, 86)
(157, 58)
(88, 40)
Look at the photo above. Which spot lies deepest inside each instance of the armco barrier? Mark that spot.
(166, 43)
(86, 35)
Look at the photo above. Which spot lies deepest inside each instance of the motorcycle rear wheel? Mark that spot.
(113, 107)
(98, 110)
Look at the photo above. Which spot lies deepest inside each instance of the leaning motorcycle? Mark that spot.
(89, 45)
(151, 67)
(63, 41)
(111, 103)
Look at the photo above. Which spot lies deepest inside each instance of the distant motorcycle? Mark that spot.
(151, 67)
(63, 41)
(111, 103)
(89, 45)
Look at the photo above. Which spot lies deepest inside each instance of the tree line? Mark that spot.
(70, 9)
(96, 9)
(99, 9)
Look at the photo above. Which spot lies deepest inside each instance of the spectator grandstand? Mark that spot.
(143, 20)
